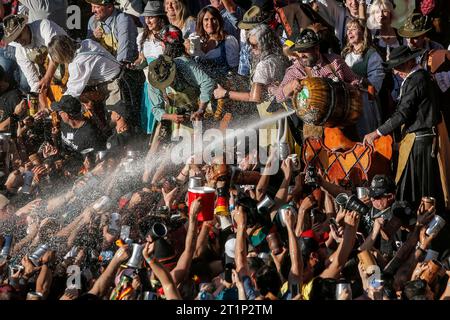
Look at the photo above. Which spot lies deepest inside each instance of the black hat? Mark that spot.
(121, 109)
(381, 184)
(401, 55)
(69, 105)
(307, 39)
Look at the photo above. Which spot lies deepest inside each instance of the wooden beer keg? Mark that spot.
(324, 102)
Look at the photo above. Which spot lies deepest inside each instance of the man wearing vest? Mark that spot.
(117, 33)
(113, 29)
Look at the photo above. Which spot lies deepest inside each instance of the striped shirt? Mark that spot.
(333, 67)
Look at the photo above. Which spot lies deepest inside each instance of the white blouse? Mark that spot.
(151, 48)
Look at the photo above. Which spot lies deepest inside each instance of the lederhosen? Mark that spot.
(131, 81)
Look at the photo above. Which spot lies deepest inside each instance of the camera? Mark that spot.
(351, 203)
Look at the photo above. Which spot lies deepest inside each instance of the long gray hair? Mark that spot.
(268, 42)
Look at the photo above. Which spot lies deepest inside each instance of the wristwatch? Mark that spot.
(227, 95)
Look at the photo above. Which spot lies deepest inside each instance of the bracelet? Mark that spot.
(227, 95)
(151, 259)
(184, 175)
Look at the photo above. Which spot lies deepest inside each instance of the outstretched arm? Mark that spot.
(345, 247)
(170, 289)
(181, 270)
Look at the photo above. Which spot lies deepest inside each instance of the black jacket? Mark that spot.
(417, 108)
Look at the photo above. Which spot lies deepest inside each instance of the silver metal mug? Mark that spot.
(195, 182)
(136, 259)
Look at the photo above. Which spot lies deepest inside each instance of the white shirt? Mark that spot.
(91, 66)
(151, 48)
(42, 31)
(55, 10)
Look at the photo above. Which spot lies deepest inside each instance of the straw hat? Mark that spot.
(13, 26)
(161, 72)
(253, 17)
(415, 26)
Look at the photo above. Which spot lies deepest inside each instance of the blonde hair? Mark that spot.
(182, 16)
(379, 4)
(62, 49)
(367, 38)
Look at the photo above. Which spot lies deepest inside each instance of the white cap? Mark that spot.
(230, 245)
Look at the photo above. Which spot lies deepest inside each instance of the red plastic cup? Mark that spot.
(207, 195)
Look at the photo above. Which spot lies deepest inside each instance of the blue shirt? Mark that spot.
(250, 291)
(124, 32)
(231, 20)
(244, 60)
(189, 76)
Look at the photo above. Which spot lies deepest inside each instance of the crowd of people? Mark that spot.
(94, 207)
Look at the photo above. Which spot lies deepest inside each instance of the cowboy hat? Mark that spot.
(415, 26)
(307, 39)
(401, 55)
(161, 72)
(13, 26)
(253, 17)
(153, 9)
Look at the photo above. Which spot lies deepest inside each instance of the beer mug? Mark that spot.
(33, 103)
(362, 192)
(37, 255)
(136, 259)
(341, 287)
(435, 225)
(194, 45)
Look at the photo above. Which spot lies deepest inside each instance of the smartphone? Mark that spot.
(228, 274)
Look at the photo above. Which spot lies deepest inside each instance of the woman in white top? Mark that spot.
(267, 71)
(178, 14)
(365, 61)
(218, 52)
(150, 47)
